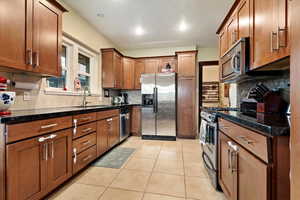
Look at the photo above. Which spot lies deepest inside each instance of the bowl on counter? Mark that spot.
(7, 99)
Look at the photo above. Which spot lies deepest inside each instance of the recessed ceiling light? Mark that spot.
(139, 31)
(183, 26)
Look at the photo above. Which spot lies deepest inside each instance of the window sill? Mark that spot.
(65, 93)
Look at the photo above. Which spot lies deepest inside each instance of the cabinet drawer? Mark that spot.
(84, 118)
(107, 114)
(84, 129)
(252, 141)
(30, 129)
(85, 142)
(83, 159)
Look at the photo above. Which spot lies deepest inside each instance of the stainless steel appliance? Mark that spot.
(124, 122)
(235, 62)
(159, 106)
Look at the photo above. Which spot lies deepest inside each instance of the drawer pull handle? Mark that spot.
(245, 140)
(75, 155)
(87, 158)
(87, 130)
(86, 142)
(42, 139)
(109, 120)
(48, 126)
(232, 146)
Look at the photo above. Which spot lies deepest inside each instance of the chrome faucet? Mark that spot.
(86, 92)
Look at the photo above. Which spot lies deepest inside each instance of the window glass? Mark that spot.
(84, 80)
(84, 63)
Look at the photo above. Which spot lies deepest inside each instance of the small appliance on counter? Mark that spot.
(116, 100)
(7, 99)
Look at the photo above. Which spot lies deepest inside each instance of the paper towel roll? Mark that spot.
(26, 86)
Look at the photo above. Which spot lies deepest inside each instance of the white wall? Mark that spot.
(208, 54)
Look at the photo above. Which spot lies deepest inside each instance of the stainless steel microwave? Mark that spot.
(235, 63)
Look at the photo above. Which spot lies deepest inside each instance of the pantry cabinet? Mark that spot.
(186, 63)
(31, 31)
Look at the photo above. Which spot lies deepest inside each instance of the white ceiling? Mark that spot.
(160, 20)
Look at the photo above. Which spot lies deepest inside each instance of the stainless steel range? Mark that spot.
(209, 141)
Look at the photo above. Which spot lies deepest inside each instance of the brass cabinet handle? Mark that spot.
(48, 126)
(279, 40)
(36, 59)
(29, 57)
(42, 139)
(75, 127)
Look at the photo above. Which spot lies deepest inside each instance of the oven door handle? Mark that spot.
(208, 166)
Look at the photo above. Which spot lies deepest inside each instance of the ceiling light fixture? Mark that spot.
(183, 26)
(139, 31)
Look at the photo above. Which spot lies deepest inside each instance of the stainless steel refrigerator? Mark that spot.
(159, 106)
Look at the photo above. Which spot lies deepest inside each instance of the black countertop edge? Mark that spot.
(19, 116)
(266, 129)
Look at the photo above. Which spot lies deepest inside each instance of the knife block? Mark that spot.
(272, 103)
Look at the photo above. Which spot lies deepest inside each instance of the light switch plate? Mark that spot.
(27, 96)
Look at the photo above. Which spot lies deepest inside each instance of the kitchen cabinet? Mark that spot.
(112, 65)
(136, 121)
(114, 131)
(32, 32)
(186, 107)
(244, 154)
(35, 166)
(139, 69)
(152, 65)
(186, 63)
(232, 30)
(128, 73)
(102, 136)
(223, 42)
(172, 61)
(243, 19)
(295, 96)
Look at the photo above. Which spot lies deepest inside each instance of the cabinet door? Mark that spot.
(186, 121)
(226, 176)
(243, 17)
(151, 66)
(26, 170)
(102, 136)
(16, 34)
(136, 121)
(108, 75)
(59, 158)
(232, 34)
(186, 64)
(47, 39)
(263, 37)
(223, 42)
(139, 69)
(118, 65)
(252, 177)
(114, 133)
(128, 74)
(168, 60)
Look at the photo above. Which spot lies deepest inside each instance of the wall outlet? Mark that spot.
(27, 96)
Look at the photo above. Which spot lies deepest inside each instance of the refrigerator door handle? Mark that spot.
(155, 101)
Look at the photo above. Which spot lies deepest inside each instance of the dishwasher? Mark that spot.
(124, 122)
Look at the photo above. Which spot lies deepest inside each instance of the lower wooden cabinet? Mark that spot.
(136, 121)
(36, 166)
(83, 159)
(114, 133)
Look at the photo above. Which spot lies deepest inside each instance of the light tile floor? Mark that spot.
(157, 170)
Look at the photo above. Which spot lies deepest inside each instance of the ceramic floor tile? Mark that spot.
(192, 157)
(149, 196)
(142, 153)
(169, 167)
(79, 192)
(118, 194)
(170, 155)
(131, 180)
(142, 164)
(98, 176)
(195, 169)
(166, 184)
(201, 188)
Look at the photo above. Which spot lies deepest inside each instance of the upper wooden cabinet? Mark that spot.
(138, 70)
(31, 31)
(112, 64)
(265, 22)
(186, 63)
(171, 60)
(128, 74)
(152, 65)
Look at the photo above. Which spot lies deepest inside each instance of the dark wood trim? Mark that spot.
(232, 9)
(208, 63)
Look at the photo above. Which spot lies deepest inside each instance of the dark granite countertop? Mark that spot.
(267, 124)
(38, 114)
